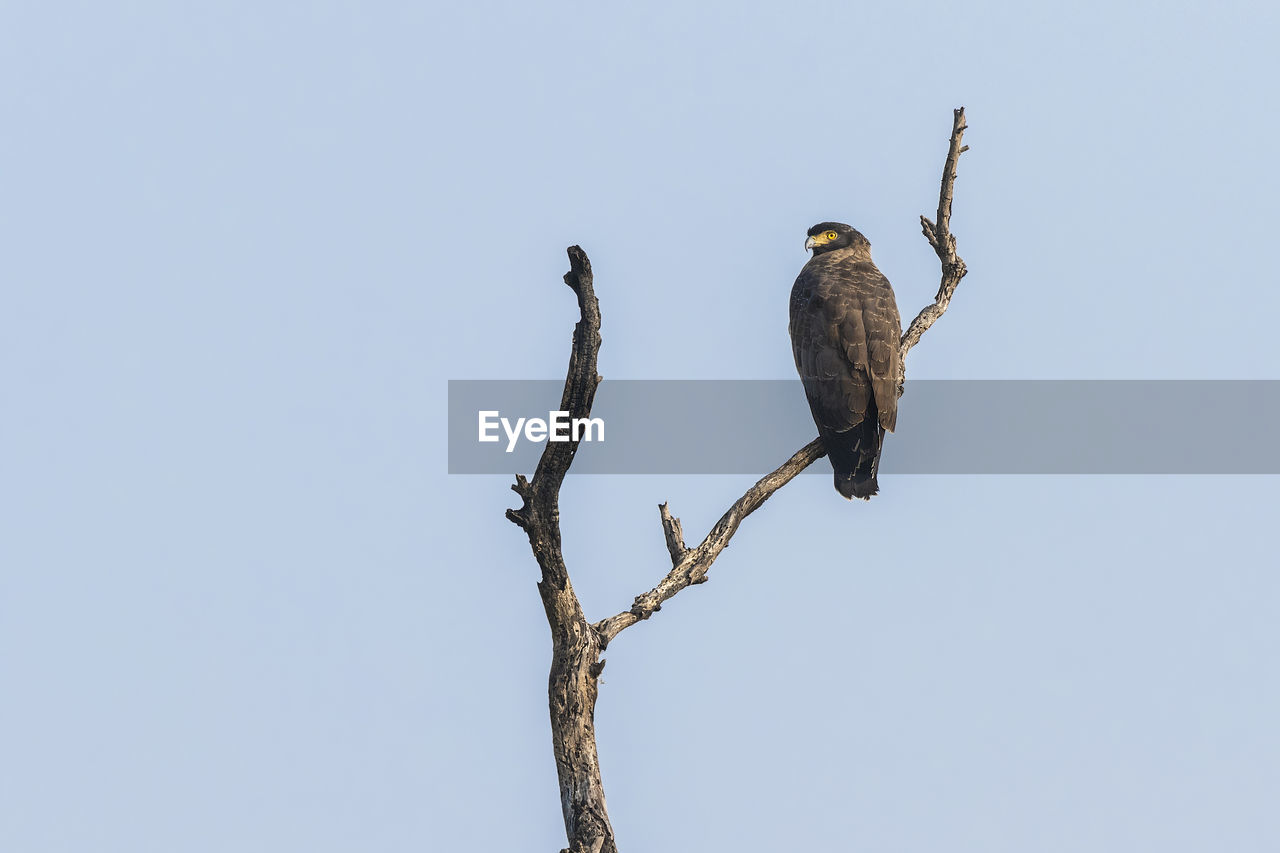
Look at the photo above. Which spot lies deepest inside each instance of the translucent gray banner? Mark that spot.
(944, 427)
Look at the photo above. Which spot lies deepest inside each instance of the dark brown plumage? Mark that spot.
(844, 335)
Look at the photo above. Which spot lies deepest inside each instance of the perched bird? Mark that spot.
(844, 335)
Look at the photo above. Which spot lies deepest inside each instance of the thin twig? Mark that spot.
(944, 245)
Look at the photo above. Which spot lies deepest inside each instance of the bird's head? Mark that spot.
(829, 236)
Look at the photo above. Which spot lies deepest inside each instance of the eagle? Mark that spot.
(845, 330)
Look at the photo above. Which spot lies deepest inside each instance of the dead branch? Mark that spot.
(673, 533)
(575, 648)
(944, 244)
(693, 565)
(576, 644)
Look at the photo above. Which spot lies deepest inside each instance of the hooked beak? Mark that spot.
(810, 243)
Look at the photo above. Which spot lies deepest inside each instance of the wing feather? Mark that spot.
(844, 334)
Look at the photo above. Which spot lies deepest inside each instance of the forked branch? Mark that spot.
(575, 649)
(576, 645)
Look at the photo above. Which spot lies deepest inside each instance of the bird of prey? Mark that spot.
(844, 335)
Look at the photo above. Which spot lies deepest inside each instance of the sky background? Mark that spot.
(244, 608)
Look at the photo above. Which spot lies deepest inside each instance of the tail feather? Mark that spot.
(855, 456)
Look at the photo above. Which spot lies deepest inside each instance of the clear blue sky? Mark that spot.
(243, 608)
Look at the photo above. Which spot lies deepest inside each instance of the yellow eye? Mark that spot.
(829, 235)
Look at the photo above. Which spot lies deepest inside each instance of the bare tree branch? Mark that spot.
(543, 494)
(576, 665)
(673, 533)
(692, 566)
(944, 244)
(575, 648)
